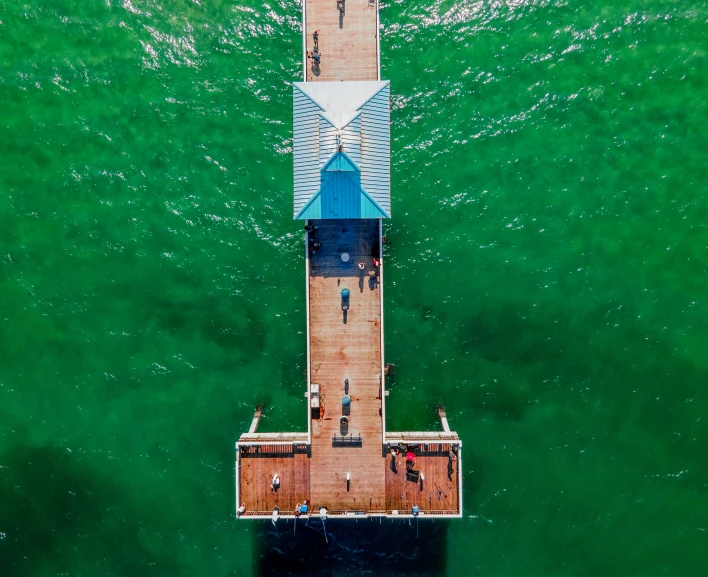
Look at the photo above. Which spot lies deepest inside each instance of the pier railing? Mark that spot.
(354, 514)
(263, 438)
(421, 436)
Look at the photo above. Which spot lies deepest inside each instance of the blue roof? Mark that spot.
(340, 194)
(340, 162)
(341, 150)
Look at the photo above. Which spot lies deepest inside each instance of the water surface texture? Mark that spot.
(545, 279)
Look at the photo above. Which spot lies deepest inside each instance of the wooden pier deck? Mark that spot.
(348, 41)
(437, 494)
(346, 346)
(260, 463)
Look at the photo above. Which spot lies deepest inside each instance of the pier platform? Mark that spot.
(347, 461)
(345, 358)
(346, 345)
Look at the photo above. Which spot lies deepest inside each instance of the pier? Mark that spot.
(346, 461)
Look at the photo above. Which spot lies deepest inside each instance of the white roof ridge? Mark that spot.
(340, 102)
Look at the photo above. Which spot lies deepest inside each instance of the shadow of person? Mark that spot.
(372, 283)
(344, 317)
(361, 283)
(340, 7)
(315, 68)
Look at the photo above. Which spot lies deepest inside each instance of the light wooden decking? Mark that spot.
(342, 350)
(348, 45)
(348, 347)
(257, 468)
(439, 494)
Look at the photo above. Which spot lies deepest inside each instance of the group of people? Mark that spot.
(303, 509)
(313, 244)
(410, 459)
(315, 54)
(300, 509)
(376, 264)
(450, 469)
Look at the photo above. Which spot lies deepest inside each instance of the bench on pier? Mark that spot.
(347, 441)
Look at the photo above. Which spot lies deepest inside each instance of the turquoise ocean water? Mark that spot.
(545, 277)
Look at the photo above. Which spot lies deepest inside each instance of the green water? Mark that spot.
(545, 277)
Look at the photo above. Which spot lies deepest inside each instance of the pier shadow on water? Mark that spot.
(364, 547)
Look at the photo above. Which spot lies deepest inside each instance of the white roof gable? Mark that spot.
(340, 101)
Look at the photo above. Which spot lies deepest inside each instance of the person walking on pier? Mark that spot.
(316, 38)
(315, 56)
(450, 469)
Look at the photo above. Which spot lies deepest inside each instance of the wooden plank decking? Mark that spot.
(257, 467)
(439, 493)
(348, 44)
(346, 346)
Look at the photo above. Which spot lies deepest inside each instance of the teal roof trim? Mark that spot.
(312, 209)
(340, 161)
(341, 196)
(380, 212)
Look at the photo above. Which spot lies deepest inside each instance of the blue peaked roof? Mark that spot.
(340, 194)
(340, 162)
(341, 149)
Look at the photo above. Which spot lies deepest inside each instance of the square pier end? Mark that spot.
(347, 461)
(433, 482)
